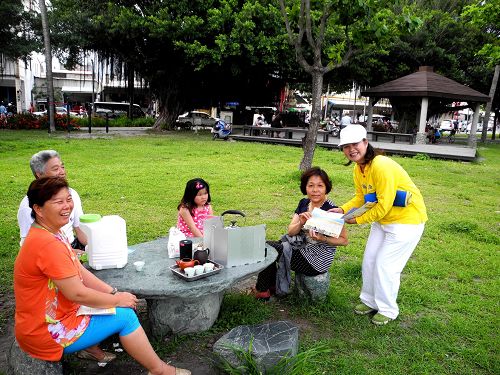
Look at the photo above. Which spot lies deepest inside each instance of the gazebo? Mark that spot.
(427, 85)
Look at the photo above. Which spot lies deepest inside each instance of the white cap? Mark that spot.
(352, 134)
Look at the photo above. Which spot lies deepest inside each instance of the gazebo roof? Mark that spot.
(426, 83)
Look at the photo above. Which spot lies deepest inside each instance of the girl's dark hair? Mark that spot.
(43, 189)
(314, 171)
(192, 188)
(371, 152)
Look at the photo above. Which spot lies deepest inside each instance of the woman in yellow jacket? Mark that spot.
(398, 220)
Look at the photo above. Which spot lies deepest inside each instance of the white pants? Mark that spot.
(388, 249)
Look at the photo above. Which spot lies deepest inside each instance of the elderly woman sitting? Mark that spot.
(311, 253)
(50, 284)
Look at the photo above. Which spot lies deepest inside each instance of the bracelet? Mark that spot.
(114, 291)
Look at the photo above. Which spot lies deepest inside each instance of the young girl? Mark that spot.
(194, 208)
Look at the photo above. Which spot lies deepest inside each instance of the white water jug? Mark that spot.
(106, 240)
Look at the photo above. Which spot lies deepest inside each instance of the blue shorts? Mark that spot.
(100, 327)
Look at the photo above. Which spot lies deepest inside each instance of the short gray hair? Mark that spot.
(40, 159)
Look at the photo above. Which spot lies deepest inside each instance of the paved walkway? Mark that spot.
(101, 131)
(456, 151)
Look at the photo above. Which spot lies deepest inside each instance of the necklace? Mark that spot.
(59, 234)
(38, 225)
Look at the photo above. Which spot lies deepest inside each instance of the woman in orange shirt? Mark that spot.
(50, 284)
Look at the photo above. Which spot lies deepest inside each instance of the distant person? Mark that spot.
(437, 135)
(194, 208)
(3, 110)
(277, 122)
(430, 134)
(48, 163)
(345, 120)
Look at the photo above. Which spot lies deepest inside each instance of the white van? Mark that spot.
(446, 125)
(116, 109)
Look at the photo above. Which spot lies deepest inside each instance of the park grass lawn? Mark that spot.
(449, 296)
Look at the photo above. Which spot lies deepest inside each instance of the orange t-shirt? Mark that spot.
(45, 320)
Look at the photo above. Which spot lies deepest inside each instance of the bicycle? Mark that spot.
(451, 137)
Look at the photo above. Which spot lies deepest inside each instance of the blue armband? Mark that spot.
(402, 198)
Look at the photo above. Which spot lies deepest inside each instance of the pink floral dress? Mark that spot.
(199, 216)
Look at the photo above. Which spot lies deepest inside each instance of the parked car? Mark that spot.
(446, 125)
(188, 119)
(59, 111)
(479, 128)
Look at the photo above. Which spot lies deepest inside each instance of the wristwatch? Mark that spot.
(114, 291)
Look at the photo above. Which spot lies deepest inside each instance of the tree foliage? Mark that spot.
(445, 39)
(186, 51)
(327, 35)
(18, 30)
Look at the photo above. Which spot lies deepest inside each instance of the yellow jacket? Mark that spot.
(384, 176)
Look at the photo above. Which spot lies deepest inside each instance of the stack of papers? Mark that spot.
(324, 222)
(355, 212)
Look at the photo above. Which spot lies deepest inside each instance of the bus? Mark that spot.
(116, 109)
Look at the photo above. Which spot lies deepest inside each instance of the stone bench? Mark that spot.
(314, 288)
(406, 137)
(21, 363)
(176, 306)
(270, 343)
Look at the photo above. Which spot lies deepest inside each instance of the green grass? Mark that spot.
(449, 296)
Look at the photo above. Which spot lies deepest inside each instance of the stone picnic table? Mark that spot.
(176, 305)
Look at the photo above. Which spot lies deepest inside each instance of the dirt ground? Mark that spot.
(195, 355)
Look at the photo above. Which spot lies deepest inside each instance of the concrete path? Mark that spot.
(456, 151)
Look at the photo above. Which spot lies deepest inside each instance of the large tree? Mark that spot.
(445, 40)
(189, 52)
(326, 35)
(485, 15)
(48, 66)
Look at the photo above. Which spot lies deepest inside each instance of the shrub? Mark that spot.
(121, 121)
(421, 157)
(30, 121)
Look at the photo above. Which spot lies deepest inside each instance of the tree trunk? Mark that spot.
(493, 88)
(48, 64)
(494, 132)
(130, 89)
(168, 107)
(310, 139)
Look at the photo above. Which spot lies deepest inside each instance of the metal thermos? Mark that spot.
(186, 249)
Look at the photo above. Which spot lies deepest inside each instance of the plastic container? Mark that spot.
(106, 240)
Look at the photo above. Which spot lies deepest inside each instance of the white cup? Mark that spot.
(139, 265)
(208, 267)
(189, 271)
(198, 270)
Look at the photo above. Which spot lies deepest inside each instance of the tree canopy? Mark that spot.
(188, 52)
(18, 30)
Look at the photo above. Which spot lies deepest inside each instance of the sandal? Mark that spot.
(179, 371)
(84, 354)
(266, 295)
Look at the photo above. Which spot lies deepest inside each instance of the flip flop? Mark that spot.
(84, 354)
(179, 371)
